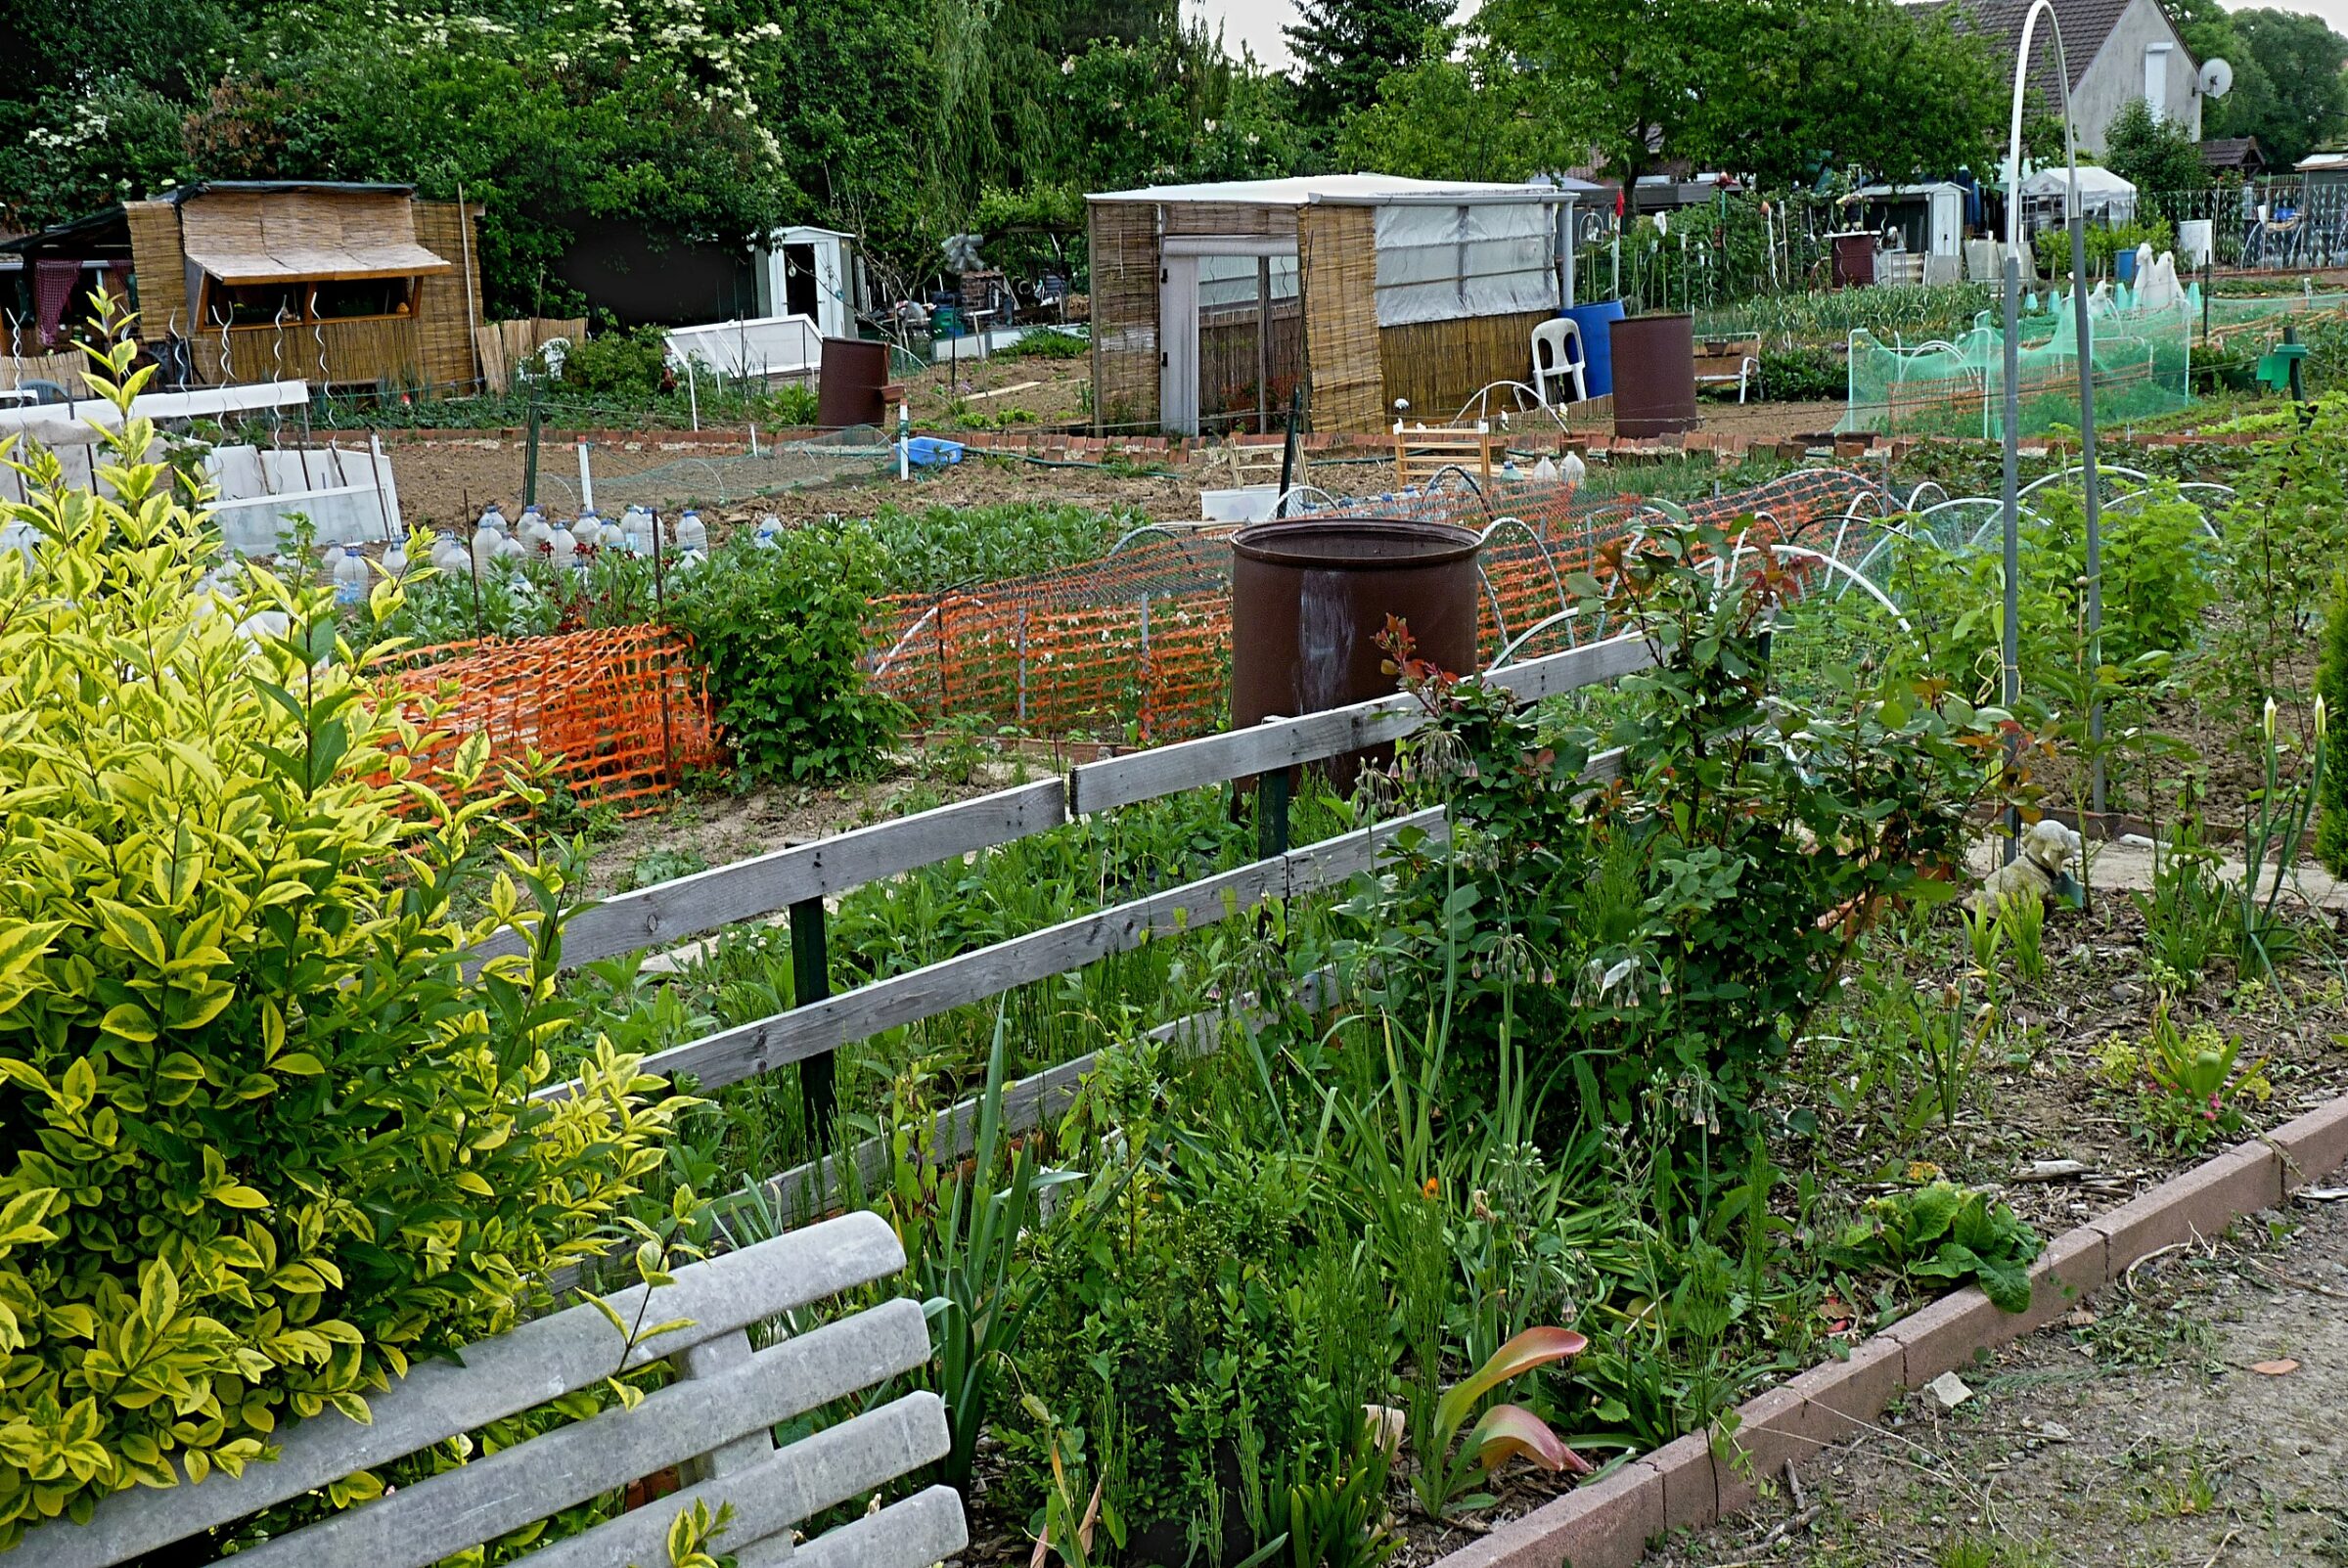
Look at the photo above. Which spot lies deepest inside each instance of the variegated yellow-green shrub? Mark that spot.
(262, 1142)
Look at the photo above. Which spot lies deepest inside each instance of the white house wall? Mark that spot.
(2116, 77)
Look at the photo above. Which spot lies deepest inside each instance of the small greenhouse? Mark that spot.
(1213, 303)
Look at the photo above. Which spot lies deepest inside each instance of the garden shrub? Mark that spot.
(1696, 912)
(1805, 372)
(264, 1142)
(782, 626)
(619, 364)
(1943, 1232)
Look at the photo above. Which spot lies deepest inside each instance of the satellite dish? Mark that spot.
(2217, 78)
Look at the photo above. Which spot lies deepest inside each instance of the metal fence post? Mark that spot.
(810, 983)
(1271, 814)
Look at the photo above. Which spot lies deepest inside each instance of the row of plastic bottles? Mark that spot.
(572, 544)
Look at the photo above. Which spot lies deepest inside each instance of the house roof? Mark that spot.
(2085, 24)
(2334, 162)
(1352, 190)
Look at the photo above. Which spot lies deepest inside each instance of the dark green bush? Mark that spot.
(1802, 375)
(782, 629)
(626, 363)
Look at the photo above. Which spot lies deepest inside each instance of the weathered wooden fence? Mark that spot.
(713, 1421)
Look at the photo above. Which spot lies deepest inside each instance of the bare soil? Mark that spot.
(2197, 1413)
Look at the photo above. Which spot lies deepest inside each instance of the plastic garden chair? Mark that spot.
(1558, 353)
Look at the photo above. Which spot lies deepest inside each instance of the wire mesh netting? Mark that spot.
(2143, 367)
(1138, 643)
(620, 712)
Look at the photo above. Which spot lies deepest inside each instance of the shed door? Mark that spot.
(1178, 345)
(799, 294)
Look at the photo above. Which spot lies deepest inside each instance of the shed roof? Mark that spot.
(2233, 152)
(1354, 190)
(2322, 163)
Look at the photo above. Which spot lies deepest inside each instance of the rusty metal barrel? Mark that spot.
(1309, 601)
(848, 393)
(1655, 375)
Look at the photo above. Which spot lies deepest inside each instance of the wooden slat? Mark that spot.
(499, 1377)
(760, 1046)
(923, 1529)
(425, 1521)
(1101, 786)
(835, 1466)
(672, 911)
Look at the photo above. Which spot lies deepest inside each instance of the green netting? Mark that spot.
(2143, 367)
(2262, 310)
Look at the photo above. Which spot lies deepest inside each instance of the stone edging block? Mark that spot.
(1683, 1486)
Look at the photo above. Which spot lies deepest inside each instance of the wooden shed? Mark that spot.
(1211, 304)
(254, 281)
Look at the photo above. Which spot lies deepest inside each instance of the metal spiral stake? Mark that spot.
(317, 333)
(227, 375)
(277, 344)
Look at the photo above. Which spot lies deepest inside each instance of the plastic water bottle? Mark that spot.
(395, 559)
(563, 546)
(693, 535)
(447, 555)
(486, 541)
(532, 529)
(770, 528)
(351, 579)
(492, 518)
(588, 531)
(1544, 472)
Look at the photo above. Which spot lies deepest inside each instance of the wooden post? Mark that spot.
(810, 983)
(529, 461)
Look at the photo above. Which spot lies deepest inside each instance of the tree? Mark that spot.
(2287, 87)
(1856, 84)
(2153, 155)
(1474, 117)
(1345, 48)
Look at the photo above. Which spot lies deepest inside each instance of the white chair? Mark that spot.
(1557, 351)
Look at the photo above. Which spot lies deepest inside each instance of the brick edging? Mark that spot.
(1683, 1486)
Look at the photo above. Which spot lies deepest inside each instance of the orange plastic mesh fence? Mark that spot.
(1140, 641)
(622, 711)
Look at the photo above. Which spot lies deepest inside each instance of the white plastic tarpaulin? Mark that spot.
(1445, 263)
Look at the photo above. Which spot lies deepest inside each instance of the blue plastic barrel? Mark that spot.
(2123, 265)
(1598, 343)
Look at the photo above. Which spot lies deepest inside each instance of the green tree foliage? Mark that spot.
(1461, 116)
(2331, 685)
(1345, 48)
(1778, 91)
(264, 1142)
(2153, 154)
(2287, 88)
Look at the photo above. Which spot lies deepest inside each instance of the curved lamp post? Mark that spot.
(2010, 651)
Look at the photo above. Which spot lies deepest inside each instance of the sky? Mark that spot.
(1257, 24)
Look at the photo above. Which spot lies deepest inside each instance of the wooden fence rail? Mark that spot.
(801, 877)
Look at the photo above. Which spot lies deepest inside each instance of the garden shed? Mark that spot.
(1213, 303)
(239, 281)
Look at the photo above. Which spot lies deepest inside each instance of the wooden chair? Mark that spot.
(1720, 360)
(713, 1422)
(1422, 453)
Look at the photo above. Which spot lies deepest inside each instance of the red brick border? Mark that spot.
(1684, 1485)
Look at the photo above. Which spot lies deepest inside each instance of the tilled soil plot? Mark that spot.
(2195, 1414)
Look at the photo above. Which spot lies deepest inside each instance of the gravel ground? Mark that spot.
(2197, 1414)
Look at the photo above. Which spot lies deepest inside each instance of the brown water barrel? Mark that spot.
(1655, 375)
(1309, 601)
(849, 392)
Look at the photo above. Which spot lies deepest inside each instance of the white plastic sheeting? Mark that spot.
(1228, 280)
(1445, 263)
(769, 345)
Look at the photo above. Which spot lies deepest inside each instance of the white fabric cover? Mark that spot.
(1445, 263)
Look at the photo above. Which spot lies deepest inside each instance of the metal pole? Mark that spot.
(586, 481)
(529, 461)
(1288, 453)
(2010, 655)
(2095, 510)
